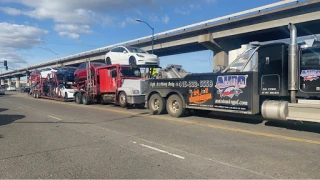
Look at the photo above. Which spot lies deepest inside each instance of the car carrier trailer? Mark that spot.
(117, 84)
(48, 88)
(278, 81)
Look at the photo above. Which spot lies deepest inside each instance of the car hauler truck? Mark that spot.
(117, 84)
(50, 87)
(279, 81)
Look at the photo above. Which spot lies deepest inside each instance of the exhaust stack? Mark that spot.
(293, 63)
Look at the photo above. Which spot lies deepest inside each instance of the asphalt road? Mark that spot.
(49, 139)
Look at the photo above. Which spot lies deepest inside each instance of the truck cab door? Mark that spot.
(273, 69)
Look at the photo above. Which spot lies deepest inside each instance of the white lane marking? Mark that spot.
(162, 151)
(133, 142)
(55, 118)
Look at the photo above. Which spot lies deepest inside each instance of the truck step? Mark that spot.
(304, 112)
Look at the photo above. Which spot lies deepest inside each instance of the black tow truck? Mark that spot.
(276, 80)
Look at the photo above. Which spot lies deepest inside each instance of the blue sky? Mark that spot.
(71, 26)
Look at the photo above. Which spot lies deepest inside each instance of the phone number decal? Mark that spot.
(194, 84)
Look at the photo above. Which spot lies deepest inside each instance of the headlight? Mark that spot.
(134, 91)
(140, 55)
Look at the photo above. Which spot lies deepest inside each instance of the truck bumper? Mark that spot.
(135, 99)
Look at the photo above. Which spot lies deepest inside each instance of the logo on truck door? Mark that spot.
(231, 85)
(310, 75)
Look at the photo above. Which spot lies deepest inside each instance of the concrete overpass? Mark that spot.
(219, 35)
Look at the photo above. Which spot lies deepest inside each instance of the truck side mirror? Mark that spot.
(125, 52)
(114, 74)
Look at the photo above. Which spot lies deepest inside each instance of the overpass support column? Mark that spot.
(9, 82)
(2, 82)
(17, 82)
(220, 57)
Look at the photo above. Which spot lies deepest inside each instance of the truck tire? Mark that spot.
(37, 94)
(123, 99)
(86, 99)
(65, 97)
(157, 104)
(78, 98)
(175, 106)
(34, 94)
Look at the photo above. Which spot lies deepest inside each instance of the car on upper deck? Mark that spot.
(128, 55)
(81, 72)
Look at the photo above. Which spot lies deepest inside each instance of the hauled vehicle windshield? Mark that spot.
(130, 72)
(241, 61)
(136, 50)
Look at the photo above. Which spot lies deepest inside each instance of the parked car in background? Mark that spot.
(25, 89)
(66, 91)
(2, 89)
(66, 73)
(81, 72)
(11, 88)
(44, 73)
(127, 55)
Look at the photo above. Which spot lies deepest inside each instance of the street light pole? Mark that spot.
(52, 52)
(139, 20)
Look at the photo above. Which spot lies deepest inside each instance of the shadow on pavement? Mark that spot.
(241, 118)
(3, 109)
(6, 119)
(295, 125)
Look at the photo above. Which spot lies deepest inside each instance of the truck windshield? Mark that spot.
(130, 72)
(241, 61)
(310, 59)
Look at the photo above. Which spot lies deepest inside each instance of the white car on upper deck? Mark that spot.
(44, 73)
(127, 55)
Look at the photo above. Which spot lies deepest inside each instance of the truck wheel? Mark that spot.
(65, 97)
(175, 106)
(79, 98)
(34, 94)
(86, 99)
(157, 104)
(123, 99)
(108, 61)
(37, 94)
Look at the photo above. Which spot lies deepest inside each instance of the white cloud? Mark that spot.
(10, 11)
(14, 37)
(131, 20)
(72, 31)
(187, 10)
(69, 35)
(74, 11)
(122, 24)
(153, 18)
(165, 19)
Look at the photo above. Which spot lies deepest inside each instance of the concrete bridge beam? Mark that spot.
(9, 82)
(220, 57)
(17, 82)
